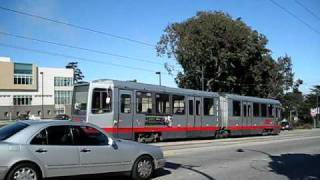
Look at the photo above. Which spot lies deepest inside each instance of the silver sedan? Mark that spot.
(32, 150)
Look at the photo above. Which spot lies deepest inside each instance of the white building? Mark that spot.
(22, 90)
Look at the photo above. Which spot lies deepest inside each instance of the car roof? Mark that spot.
(35, 126)
(52, 122)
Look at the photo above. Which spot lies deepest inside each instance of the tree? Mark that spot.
(229, 54)
(77, 73)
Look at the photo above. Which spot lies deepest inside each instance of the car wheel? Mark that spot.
(143, 168)
(24, 171)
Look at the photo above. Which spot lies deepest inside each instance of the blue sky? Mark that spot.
(145, 20)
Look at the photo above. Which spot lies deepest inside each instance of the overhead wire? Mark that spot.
(307, 9)
(76, 26)
(74, 57)
(295, 16)
(79, 48)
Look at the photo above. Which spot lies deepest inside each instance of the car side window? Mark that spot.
(88, 136)
(59, 135)
(40, 139)
(54, 135)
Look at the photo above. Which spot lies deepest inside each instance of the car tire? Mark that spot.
(25, 169)
(143, 168)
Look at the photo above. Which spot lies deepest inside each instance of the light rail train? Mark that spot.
(145, 112)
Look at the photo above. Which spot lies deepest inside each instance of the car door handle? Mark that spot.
(85, 150)
(41, 151)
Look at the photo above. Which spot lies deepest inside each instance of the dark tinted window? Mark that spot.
(244, 108)
(263, 110)
(162, 104)
(40, 139)
(88, 136)
(236, 108)
(198, 107)
(256, 109)
(208, 106)
(270, 110)
(59, 135)
(9, 130)
(190, 107)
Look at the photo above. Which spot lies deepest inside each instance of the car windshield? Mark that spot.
(9, 130)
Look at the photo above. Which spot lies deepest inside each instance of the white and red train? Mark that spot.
(145, 112)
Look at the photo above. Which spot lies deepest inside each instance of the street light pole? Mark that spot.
(42, 107)
(159, 73)
(317, 110)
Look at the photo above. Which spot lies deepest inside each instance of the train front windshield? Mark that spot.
(80, 100)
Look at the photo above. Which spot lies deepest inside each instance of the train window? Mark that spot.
(198, 108)
(236, 108)
(178, 104)
(162, 104)
(208, 106)
(244, 110)
(270, 110)
(99, 101)
(126, 103)
(190, 107)
(256, 109)
(144, 102)
(263, 110)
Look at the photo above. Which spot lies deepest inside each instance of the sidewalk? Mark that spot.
(5, 122)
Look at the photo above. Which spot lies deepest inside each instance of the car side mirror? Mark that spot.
(112, 143)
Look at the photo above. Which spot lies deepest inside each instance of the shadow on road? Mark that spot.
(293, 166)
(174, 166)
(118, 176)
(296, 166)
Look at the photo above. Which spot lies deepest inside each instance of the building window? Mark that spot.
(25, 79)
(22, 68)
(126, 103)
(101, 101)
(39, 113)
(63, 81)
(18, 113)
(49, 112)
(22, 100)
(144, 102)
(178, 104)
(62, 97)
(162, 104)
(236, 108)
(208, 109)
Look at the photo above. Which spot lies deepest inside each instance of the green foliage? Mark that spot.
(234, 57)
(77, 73)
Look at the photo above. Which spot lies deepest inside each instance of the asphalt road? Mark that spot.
(292, 155)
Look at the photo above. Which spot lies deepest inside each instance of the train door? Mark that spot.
(125, 126)
(194, 117)
(190, 116)
(246, 118)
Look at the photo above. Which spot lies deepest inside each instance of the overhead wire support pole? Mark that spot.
(202, 78)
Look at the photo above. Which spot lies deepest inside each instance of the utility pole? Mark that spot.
(42, 107)
(317, 110)
(159, 73)
(202, 78)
